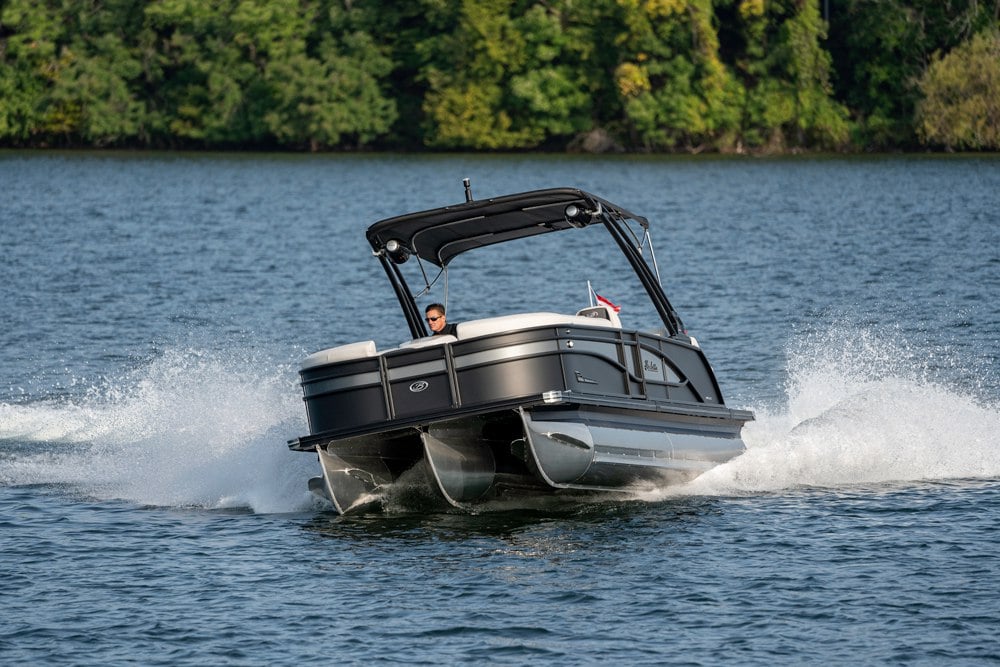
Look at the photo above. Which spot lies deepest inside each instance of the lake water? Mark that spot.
(155, 308)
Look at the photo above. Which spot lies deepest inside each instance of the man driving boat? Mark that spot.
(437, 321)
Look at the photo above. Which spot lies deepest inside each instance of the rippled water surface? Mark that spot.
(155, 308)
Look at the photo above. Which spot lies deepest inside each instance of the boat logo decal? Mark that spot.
(419, 386)
(580, 377)
(648, 365)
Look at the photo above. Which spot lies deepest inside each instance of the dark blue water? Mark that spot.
(154, 310)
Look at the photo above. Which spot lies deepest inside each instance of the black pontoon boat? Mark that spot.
(517, 403)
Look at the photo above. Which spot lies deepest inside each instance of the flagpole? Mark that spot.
(590, 294)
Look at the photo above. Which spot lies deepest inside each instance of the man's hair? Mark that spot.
(434, 306)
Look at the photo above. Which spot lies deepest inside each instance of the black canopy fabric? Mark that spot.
(440, 234)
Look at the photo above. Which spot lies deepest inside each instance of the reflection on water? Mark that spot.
(511, 521)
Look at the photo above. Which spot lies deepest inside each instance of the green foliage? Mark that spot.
(465, 106)
(961, 105)
(19, 92)
(90, 95)
(550, 93)
(516, 86)
(677, 92)
(655, 75)
(786, 76)
(816, 118)
(880, 49)
(27, 56)
(318, 101)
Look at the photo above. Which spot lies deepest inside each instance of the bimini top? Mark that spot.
(440, 234)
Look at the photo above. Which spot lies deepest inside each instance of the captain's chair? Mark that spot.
(601, 312)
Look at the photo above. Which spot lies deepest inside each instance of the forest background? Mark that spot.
(589, 75)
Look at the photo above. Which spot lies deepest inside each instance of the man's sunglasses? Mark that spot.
(434, 319)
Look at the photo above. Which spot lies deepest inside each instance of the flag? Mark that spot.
(607, 302)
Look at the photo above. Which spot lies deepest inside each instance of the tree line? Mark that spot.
(591, 75)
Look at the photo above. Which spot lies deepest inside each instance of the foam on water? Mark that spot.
(863, 408)
(209, 430)
(189, 429)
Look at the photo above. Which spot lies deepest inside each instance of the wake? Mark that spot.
(861, 409)
(208, 430)
(190, 429)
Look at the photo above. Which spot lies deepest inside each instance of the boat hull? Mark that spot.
(536, 404)
(541, 450)
(607, 450)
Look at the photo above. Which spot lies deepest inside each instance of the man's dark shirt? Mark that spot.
(446, 330)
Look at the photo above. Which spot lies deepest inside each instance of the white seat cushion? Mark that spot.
(361, 350)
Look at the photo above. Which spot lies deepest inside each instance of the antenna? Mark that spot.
(468, 189)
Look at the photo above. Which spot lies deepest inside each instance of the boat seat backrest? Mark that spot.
(361, 350)
(466, 330)
(493, 325)
(427, 341)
